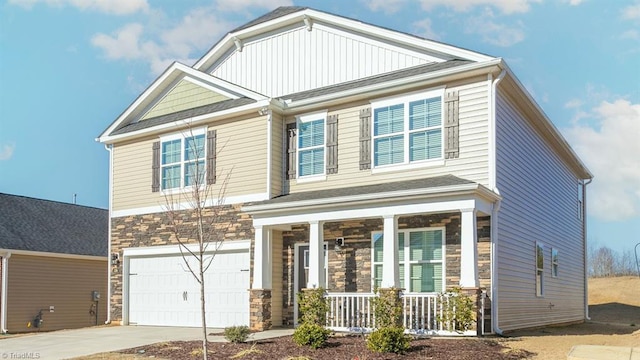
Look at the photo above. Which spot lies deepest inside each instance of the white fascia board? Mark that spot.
(53, 255)
(163, 250)
(394, 85)
(548, 124)
(386, 197)
(193, 121)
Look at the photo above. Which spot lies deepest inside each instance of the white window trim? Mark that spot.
(555, 263)
(580, 196)
(406, 99)
(539, 270)
(309, 118)
(182, 136)
(406, 260)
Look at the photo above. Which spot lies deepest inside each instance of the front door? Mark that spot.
(301, 276)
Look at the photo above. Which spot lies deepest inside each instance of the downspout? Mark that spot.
(496, 205)
(584, 248)
(4, 291)
(109, 148)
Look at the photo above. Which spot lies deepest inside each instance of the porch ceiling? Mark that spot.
(433, 194)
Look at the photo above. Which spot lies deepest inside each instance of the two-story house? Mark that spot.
(355, 157)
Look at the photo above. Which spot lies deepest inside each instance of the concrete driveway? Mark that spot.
(66, 344)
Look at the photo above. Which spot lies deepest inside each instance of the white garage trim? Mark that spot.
(169, 250)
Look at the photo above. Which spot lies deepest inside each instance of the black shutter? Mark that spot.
(211, 157)
(332, 144)
(451, 126)
(291, 151)
(155, 167)
(365, 139)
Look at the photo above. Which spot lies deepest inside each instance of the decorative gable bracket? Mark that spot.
(307, 22)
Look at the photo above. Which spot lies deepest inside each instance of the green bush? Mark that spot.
(457, 310)
(312, 335)
(237, 334)
(387, 309)
(313, 306)
(389, 340)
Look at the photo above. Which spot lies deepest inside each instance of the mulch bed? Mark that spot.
(338, 348)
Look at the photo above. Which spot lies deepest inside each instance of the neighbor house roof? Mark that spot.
(49, 226)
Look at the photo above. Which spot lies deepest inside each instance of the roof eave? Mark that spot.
(374, 198)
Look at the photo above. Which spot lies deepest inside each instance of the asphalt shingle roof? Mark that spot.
(49, 226)
(394, 75)
(181, 115)
(278, 12)
(424, 183)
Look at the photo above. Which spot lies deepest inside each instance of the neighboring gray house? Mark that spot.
(53, 257)
(419, 165)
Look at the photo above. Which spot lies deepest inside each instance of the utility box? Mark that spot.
(95, 295)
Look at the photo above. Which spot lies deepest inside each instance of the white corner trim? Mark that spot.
(4, 267)
(231, 200)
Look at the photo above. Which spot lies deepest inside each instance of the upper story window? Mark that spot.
(539, 269)
(182, 161)
(420, 258)
(311, 144)
(408, 129)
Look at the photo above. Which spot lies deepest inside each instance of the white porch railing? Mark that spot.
(420, 312)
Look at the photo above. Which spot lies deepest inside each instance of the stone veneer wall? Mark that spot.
(350, 271)
(228, 224)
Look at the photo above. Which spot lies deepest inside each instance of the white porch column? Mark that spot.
(468, 249)
(316, 255)
(262, 259)
(390, 267)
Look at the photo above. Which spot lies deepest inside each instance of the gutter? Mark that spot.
(109, 148)
(3, 290)
(584, 247)
(496, 207)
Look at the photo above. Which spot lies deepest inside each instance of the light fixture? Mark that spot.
(339, 244)
(115, 259)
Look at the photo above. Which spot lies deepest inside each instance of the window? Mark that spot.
(408, 130)
(539, 269)
(580, 198)
(554, 262)
(182, 160)
(420, 258)
(311, 144)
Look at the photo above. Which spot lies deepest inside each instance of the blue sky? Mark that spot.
(68, 68)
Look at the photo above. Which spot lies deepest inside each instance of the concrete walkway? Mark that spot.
(66, 344)
(596, 352)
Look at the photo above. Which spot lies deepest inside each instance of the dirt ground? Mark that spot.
(614, 308)
(615, 321)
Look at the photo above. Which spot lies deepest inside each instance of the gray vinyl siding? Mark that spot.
(37, 282)
(539, 204)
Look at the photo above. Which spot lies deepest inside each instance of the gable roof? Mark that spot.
(48, 226)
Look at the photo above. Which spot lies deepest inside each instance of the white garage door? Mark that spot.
(163, 292)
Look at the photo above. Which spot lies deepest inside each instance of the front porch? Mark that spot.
(424, 245)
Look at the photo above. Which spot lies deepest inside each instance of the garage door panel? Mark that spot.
(162, 291)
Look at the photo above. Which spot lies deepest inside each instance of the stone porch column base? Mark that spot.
(475, 294)
(260, 309)
(394, 295)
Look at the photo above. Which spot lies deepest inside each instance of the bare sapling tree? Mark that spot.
(194, 200)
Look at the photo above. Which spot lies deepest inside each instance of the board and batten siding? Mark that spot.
(38, 282)
(539, 205)
(297, 60)
(472, 164)
(184, 95)
(241, 144)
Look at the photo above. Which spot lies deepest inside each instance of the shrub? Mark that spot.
(457, 310)
(313, 306)
(312, 335)
(387, 309)
(388, 340)
(236, 334)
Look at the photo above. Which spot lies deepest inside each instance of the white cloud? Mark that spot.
(505, 6)
(631, 12)
(117, 7)
(387, 6)
(575, 2)
(630, 35)
(495, 33)
(573, 103)
(610, 149)
(425, 30)
(161, 45)
(6, 152)
(235, 5)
